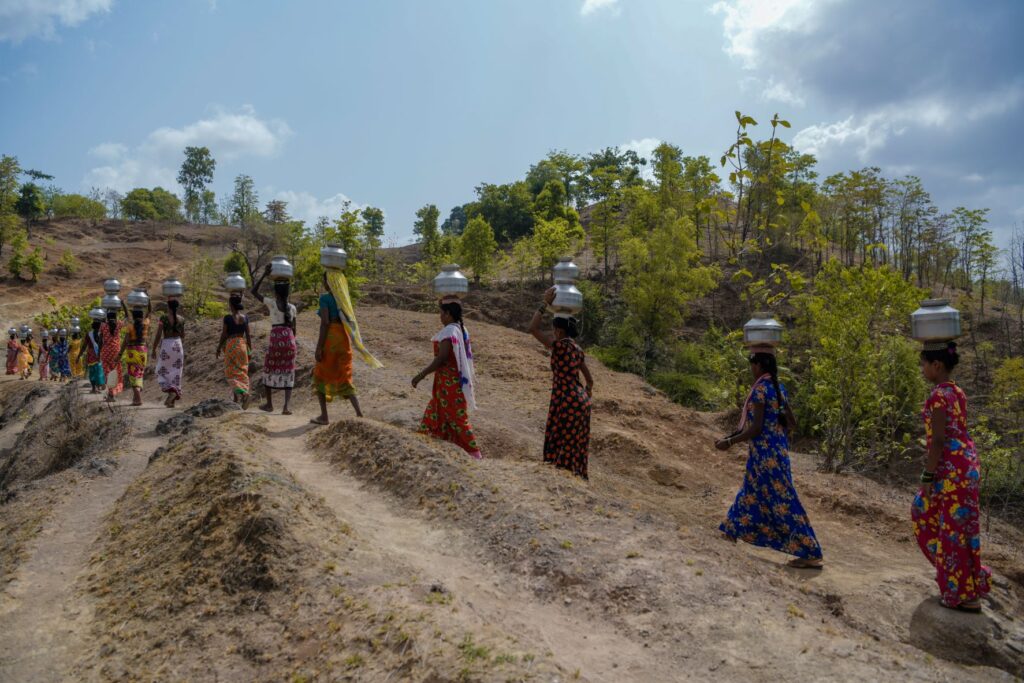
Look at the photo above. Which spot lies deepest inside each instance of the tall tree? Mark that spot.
(9, 172)
(31, 204)
(374, 220)
(667, 165)
(477, 248)
(244, 201)
(431, 241)
(276, 212)
(195, 175)
(508, 209)
(456, 221)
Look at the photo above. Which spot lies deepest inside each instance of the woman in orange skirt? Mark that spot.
(235, 342)
(332, 375)
(110, 353)
(447, 414)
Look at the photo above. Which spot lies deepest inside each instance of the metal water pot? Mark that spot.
(762, 330)
(75, 321)
(45, 334)
(451, 282)
(112, 286)
(172, 287)
(334, 257)
(281, 268)
(565, 270)
(98, 314)
(234, 282)
(137, 298)
(76, 330)
(935, 321)
(62, 332)
(111, 302)
(12, 331)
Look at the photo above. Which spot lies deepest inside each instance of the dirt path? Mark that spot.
(44, 618)
(441, 554)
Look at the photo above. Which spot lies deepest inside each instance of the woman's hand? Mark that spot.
(416, 380)
(549, 296)
(723, 444)
(590, 390)
(319, 355)
(266, 270)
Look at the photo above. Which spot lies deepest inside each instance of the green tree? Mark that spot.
(373, 220)
(68, 263)
(9, 172)
(35, 263)
(195, 175)
(667, 166)
(554, 239)
(863, 384)
(477, 248)
(456, 221)
(208, 212)
(662, 275)
(508, 209)
(244, 202)
(31, 204)
(167, 205)
(16, 263)
(138, 205)
(432, 242)
(276, 211)
(78, 206)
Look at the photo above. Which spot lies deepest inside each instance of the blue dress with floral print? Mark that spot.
(767, 511)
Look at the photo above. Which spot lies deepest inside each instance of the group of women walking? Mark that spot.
(766, 511)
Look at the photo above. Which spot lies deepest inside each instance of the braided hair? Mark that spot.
(768, 364)
(282, 288)
(454, 309)
(570, 325)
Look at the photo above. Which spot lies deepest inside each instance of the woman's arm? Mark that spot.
(541, 335)
(322, 339)
(248, 336)
(752, 429)
(443, 352)
(159, 335)
(223, 338)
(791, 423)
(588, 377)
(256, 285)
(938, 444)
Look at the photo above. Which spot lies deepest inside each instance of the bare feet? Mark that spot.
(319, 420)
(805, 563)
(267, 408)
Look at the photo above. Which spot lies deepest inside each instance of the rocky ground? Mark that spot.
(244, 546)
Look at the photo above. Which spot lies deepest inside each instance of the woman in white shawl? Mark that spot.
(447, 414)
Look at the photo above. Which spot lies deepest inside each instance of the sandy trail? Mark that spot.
(44, 617)
(444, 555)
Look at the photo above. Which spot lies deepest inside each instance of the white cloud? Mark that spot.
(591, 6)
(644, 147)
(997, 102)
(745, 21)
(21, 19)
(304, 206)
(155, 161)
(777, 91)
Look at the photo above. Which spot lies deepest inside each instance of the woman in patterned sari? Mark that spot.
(60, 361)
(110, 353)
(170, 361)
(447, 414)
(75, 354)
(26, 357)
(767, 511)
(93, 358)
(43, 359)
(946, 513)
(567, 434)
(279, 362)
(339, 333)
(135, 353)
(13, 349)
(235, 342)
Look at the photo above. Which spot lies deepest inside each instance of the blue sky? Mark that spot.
(397, 103)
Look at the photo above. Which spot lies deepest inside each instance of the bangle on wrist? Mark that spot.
(927, 477)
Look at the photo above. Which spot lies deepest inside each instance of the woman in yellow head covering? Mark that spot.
(339, 335)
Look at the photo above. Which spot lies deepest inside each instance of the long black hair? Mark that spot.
(948, 356)
(235, 302)
(454, 309)
(112, 320)
(570, 325)
(768, 364)
(282, 288)
(137, 320)
(97, 337)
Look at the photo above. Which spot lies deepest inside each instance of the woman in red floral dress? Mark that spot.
(447, 414)
(946, 513)
(110, 352)
(567, 435)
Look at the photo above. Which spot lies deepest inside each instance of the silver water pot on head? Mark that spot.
(935, 321)
(172, 287)
(762, 330)
(451, 282)
(568, 299)
(138, 298)
(334, 257)
(234, 282)
(112, 286)
(281, 268)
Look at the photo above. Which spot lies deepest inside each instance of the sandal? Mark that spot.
(803, 563)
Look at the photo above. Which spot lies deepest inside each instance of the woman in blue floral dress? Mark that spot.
(767, 511)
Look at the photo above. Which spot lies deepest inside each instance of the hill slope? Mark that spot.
(433, 567)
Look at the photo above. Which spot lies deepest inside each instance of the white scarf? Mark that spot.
(463, 357)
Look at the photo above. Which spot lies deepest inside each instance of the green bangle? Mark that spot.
(927, 477)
